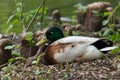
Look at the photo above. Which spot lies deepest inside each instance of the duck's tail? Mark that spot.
(104, 45)
(108, 48)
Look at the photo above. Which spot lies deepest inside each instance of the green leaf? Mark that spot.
(3, 78)
(17, 46)
(34, 62)
(106, 32)
(81, 7)
(17, 54)
(10, 18)
(11, 61)
(115, 50)
(29, 36)
(115, 37)
(4, 69)
(10, 47)
(19, 4)
(37, 72)
(9, 78)
(105, 22)
(9, 27)
(18, 10)
(95, 11)
(66, 75)
(107, 14)
(118, 66)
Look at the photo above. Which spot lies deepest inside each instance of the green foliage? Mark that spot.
(97, 12)
(77, 33)
(37, 72)
(38, 59)
(110, 33)
(61, 66)
(81, 8)
(116, 50)
(29, 37)
(15, 53)
(10, 47)
(105, 22)
(4, 69)
(28, 15)
(11, 61)
(118, 66)
(106, 14)
(115, 37)
(13, 23)
(19, 20)
(5, 78)
(66, 75)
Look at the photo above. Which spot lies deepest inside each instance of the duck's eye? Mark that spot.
(51, 32)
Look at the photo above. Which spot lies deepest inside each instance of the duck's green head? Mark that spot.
(52, 34)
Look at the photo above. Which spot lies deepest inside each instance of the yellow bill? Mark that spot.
(42, 41)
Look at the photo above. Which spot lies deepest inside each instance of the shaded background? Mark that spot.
(65, 6)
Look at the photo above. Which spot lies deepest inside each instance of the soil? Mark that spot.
(106, 68)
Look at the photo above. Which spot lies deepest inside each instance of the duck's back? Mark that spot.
(77, 39)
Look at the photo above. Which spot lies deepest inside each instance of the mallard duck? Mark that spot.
(68, 30)
(5, 54)
(56, 15)
(73, 48)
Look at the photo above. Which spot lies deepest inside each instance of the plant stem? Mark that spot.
(21, 12)
(41, 5)
(42, 13)
(21, 16)
(113, 12)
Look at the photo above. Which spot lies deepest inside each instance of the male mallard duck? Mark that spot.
(72, 48)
